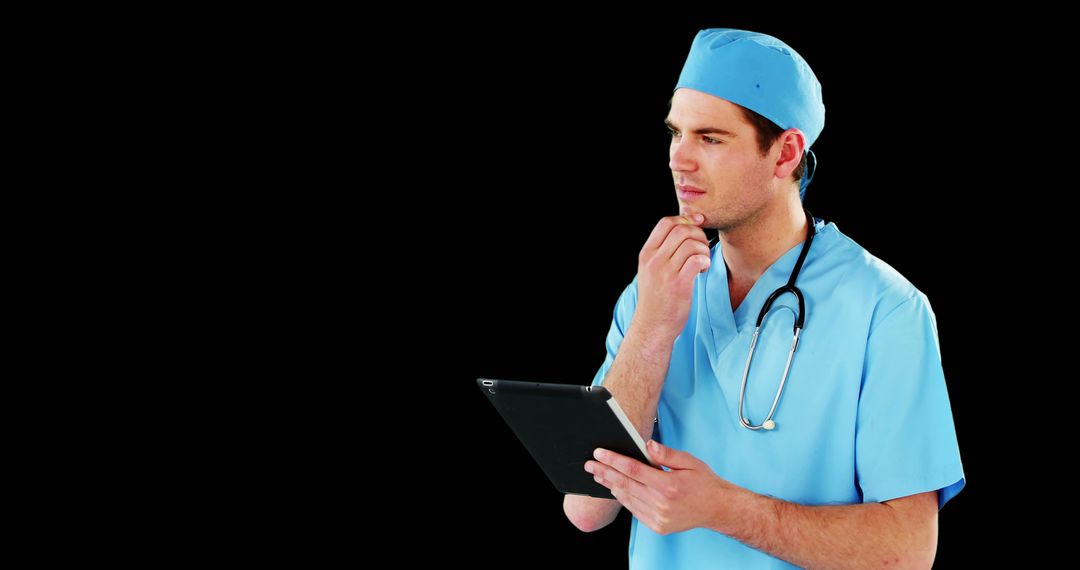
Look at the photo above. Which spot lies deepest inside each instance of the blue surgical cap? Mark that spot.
(760, 73)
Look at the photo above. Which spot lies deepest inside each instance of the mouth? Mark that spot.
(689, 193)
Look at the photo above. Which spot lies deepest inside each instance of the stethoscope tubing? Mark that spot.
(768, 423)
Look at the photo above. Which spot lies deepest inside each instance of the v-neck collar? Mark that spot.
(725, 324)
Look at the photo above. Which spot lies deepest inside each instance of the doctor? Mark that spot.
(836, 454)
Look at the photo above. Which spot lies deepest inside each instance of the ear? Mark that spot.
(792, 146)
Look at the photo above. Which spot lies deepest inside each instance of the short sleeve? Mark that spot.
(905, 440)
(620, 323)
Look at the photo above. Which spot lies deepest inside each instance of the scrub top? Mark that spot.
(864, 416)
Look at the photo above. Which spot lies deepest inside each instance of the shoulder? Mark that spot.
(871, 279)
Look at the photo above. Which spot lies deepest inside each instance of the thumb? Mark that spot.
(673, 458)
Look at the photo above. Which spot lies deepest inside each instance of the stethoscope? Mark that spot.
(790, 287)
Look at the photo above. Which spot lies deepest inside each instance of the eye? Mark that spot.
(710, 140)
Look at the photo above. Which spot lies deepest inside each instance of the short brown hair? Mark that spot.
(767, 133)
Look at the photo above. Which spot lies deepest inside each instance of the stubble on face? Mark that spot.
(715, 148)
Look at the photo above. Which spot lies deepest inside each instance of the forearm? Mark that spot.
(635, 381)
(637, 375)
(844, 536)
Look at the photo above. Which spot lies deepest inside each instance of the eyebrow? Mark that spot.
(703, 131)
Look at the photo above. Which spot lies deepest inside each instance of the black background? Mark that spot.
(533, 156)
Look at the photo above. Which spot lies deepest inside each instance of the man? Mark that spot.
(841, 459)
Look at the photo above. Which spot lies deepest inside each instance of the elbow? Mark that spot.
(916, 528)
(584, 523)
(915, 555)
(917, 558)
(921, 547)
(580, 518)
(924, 547)
(927, 550)
(584, 516)
(921, 559)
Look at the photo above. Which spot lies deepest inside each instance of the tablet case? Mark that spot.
(561, 425)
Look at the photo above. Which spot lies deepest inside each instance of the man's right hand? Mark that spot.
(675, 253)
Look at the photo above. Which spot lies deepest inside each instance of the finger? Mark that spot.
(679, 236)
(631, 468)
(640, 500)
(694, 265)
(642, 509)
(619, 483)
(664, 226)
(688, 249)
(673, 458)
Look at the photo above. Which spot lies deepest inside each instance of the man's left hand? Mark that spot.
(688, 496)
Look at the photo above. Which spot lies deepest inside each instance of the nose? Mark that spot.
(680, 156)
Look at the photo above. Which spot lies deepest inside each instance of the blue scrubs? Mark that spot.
(864, 416)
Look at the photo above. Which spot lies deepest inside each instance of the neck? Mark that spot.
(753, 246)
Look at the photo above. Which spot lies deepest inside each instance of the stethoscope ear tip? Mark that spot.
(769, 425)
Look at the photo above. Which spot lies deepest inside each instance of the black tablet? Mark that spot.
(561, 425)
